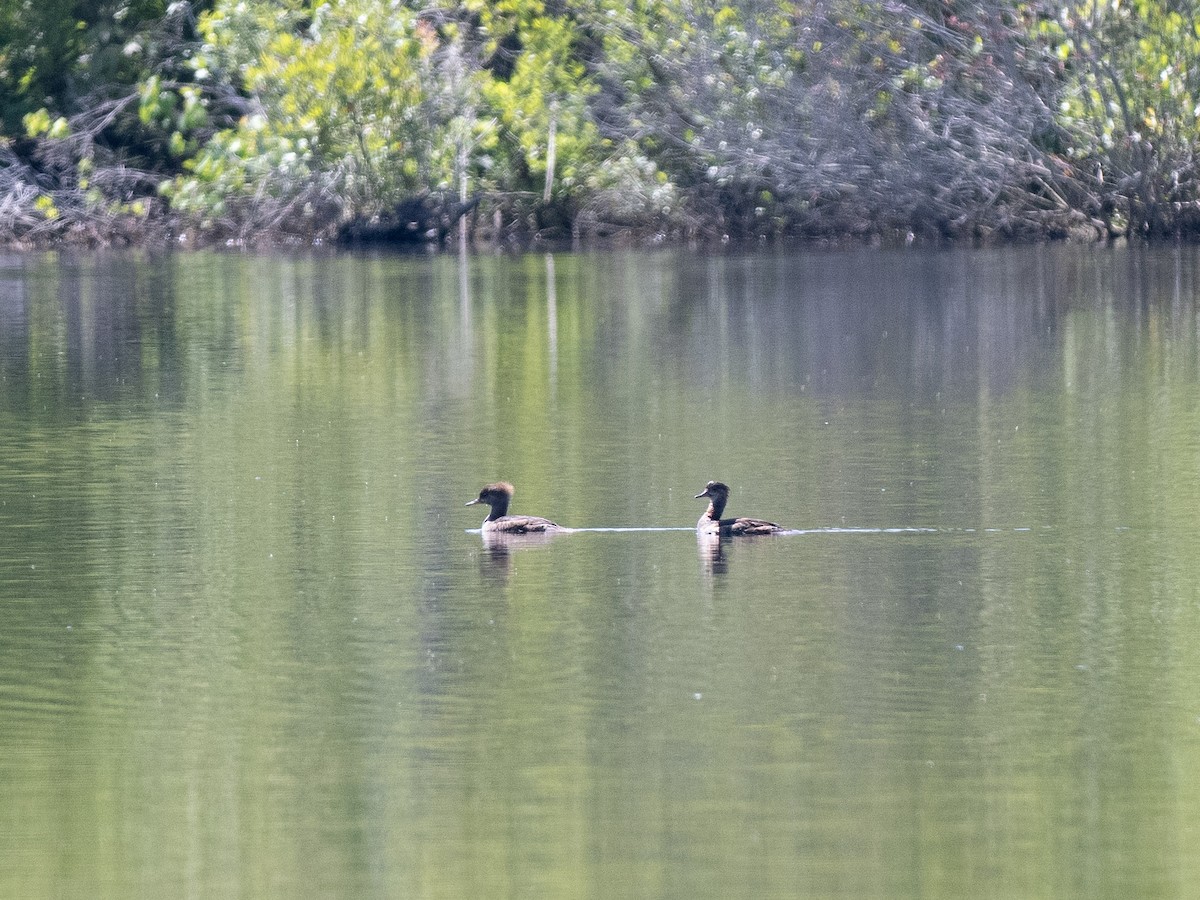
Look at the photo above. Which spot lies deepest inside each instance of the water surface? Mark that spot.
(249, 646)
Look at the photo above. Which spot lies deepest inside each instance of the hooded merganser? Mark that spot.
(498, 496)
(711, 521)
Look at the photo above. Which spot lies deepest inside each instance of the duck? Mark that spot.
(498, 496)
(712, 523)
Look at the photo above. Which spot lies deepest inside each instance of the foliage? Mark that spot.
(354, 101)
(77, 161)
(549, 83)
(363, 103)
(943, 118)
(1131, 101)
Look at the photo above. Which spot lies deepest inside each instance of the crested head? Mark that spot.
(496, 495)
(496, 489)
(714, 489)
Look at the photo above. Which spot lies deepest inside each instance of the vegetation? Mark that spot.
(559, 119)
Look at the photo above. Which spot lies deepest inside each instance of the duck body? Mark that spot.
(498, 496)
(737, 527)
(519, 525)
(711, 522)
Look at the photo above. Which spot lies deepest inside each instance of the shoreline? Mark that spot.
(161, 236)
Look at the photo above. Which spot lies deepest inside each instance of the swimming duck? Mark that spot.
(498, 496)
(711, 521)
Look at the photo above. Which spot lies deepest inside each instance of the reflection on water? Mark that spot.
(496, 561)
(248, 647)
(711, 547)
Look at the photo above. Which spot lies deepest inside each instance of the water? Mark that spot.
(250, 646)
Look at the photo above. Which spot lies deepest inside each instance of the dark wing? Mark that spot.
(524, 524)
(745, 525)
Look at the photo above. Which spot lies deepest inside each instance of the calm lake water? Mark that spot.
(249, 646)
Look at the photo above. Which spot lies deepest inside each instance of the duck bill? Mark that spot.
(703, 493)
(472, 502)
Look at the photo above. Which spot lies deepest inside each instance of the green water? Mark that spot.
(249, 648)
